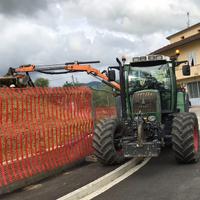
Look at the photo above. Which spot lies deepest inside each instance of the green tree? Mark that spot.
(67, 84)
(41, 82)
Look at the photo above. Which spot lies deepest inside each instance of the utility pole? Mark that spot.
(188, 19)
(73, 82)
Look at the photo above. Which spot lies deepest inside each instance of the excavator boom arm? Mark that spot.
(70, 68)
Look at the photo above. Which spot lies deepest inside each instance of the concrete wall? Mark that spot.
(195, 101)
(185, 34)
(188, 52)
(185, 51)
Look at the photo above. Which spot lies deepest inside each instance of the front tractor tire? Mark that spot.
(185, 138)
(106, 142)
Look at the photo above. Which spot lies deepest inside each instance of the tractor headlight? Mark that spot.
(152, 118)
(136, 59)
(143, 58)
(152, 57)
(149, 58)
(136, 118)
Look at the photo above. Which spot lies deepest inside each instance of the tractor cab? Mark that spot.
(151, 81)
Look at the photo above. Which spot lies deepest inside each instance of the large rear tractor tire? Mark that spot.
(185, 138)
(106, 142)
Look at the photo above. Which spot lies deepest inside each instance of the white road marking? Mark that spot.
(116, 181)
(104, 183)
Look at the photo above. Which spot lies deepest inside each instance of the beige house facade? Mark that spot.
(188, 42)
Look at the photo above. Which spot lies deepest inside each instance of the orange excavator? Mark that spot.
(22, 72)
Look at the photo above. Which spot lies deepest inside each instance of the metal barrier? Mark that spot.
(42, 129)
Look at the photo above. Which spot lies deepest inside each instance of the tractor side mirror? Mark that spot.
(186, 70)
(111, 75)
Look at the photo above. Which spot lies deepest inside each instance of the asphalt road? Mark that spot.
(162, 178)
(62, 184)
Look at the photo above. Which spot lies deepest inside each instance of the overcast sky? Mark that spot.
(57, 31)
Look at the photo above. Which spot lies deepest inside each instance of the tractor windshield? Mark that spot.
(155, 77)
(152, 77)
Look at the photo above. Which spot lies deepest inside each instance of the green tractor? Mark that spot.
(152, 113)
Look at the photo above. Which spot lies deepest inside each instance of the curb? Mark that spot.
(101, 182)
(36, 178)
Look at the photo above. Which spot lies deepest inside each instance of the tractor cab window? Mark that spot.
(151, 77)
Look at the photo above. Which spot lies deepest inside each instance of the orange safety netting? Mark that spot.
(42, 129)
(104, 112)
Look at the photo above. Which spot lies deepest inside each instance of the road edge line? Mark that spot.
(116, 181)
(88, 191)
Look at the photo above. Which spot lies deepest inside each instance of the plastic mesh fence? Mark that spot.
(104, 112)
(42, 129)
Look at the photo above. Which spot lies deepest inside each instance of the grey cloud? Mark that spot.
(42, 45)
(48, 49)
(22, 7)
(134, 17)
